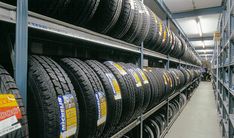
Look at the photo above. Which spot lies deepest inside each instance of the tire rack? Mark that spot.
(50, 25)
(156, 108)
(222, 71)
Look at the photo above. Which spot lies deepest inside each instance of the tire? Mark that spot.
(113, 94)
(125, 20)
(8, 87)
(128, 95)
(137, 89)
(145, 86)
(91, 97)
(47, 85)
(106, 16)
(84, 9)
(154, 98)
(154, 127)
(152, 35)
(147, 132)
(134, 29)
(144, 28)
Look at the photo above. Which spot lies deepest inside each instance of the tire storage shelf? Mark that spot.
(222, 71)
(116, 71)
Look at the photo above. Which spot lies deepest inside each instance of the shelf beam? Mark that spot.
(198, 12)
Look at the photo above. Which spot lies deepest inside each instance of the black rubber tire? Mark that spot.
(152, 35)
(128, 95)
(88, 87)
(125, 20)
(106, 16)
(154, 89)
(138, 90)
(154, 127)
(114, 105)
(8, 86)
(145, 86)
(148, 132)
(84, 10)
(144, 28)
(134, 29)
(47, 81)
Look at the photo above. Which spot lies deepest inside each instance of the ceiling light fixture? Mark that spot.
(203, 44)
(199, 26)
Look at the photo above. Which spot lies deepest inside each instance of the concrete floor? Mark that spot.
(199, 119)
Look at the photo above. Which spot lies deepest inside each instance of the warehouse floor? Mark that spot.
(199, 119)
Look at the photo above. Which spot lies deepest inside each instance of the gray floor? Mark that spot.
(199, 119)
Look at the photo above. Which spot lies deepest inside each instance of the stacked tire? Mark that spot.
(13, 116)
(128, 20)
(155, 125)
(93, 99)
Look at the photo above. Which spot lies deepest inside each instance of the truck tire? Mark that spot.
(49, 91)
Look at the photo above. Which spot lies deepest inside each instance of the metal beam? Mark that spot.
(202, 52)
(200, 38)
(163, 6)
(21, 48)
(206, 48)
(198, 12)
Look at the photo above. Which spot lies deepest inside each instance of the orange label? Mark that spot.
(9, 107)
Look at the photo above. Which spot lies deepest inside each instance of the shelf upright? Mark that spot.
(21, 48)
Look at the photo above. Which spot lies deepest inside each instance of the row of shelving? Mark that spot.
(149, 113)
(50, 25)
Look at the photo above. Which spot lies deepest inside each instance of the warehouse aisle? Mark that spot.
(199, 119)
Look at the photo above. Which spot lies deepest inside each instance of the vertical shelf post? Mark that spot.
(21, 48)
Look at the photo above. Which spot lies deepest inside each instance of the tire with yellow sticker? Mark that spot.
(145, 85)
(127, 92)
(137, 88)
(53, 110)
(13, 118)
(91, 97)
(113, 95)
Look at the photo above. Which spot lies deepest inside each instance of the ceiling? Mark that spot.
(199, 20)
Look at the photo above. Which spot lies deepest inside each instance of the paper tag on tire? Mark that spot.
(115, 86)
(136, 77)
(102, 107)
(68, 116)
(119, 68)
(145, 79)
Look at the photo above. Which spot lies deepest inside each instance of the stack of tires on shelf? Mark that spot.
(73, 98)
(155, 125)
(128, 20)
(94, 99)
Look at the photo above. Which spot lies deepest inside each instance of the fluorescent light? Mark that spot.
(199, 27)
(203, 44)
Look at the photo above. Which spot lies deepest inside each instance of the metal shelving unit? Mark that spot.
(222, 70)
(152, 111)
(29, 20)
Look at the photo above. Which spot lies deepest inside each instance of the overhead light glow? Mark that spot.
(203, 44)
(199, 26)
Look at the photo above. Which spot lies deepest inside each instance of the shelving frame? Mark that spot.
(24, 20)
(222, 70)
